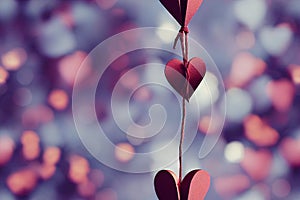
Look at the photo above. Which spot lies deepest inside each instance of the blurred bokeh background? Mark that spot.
(255, 44)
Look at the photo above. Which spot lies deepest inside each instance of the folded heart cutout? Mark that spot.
(185, 79)
(182, 10)
(194, 186)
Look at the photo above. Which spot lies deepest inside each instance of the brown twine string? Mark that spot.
(183, 36)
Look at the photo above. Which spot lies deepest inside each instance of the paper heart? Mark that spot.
(185, 80)
(182, 10)
(166, 185)
(194, 186)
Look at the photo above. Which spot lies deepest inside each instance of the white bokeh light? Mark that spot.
(234, 152)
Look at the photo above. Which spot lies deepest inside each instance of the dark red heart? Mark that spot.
(194, 186)
(173, 6)
(166, 185)
(185, 80)
(182, 10)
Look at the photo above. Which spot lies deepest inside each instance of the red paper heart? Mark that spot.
(185, 80)
(194, 186)
(182, 10)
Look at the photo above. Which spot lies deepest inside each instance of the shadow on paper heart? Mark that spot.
(194, 186)
(185, 80)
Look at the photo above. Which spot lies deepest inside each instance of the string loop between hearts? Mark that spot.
(183, 30)
(183, 36)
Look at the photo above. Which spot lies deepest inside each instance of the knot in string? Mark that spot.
(184, 29)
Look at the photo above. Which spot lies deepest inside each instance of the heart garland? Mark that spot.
(193, 73)
(184, 76)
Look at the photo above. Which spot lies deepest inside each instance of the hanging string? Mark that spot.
(183, 36)
(181, 139)
(186, 46)
(186, 64)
